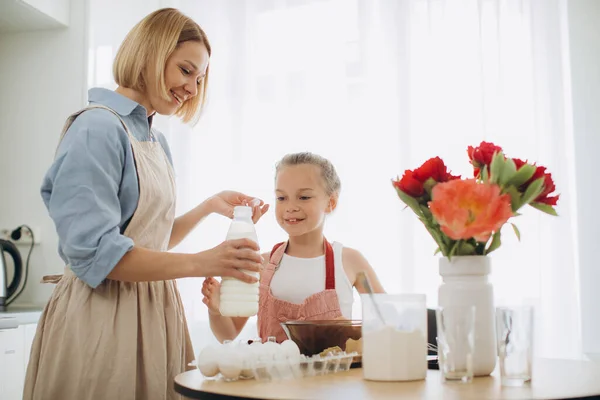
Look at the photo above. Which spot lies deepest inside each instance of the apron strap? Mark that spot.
(329, 267)
(51, 279)
(275, 258)
(277, 255)
(55, 278)
(73, 116)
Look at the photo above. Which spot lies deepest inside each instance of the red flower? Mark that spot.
(482, 155)
(412, 182)
(409, 185)
(433, 168)
(549, 187)
(519, 163)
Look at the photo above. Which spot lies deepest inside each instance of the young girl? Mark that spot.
(306, 277)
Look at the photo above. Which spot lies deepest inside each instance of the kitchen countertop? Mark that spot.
(20, 314)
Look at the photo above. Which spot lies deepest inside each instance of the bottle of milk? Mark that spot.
(240, 299)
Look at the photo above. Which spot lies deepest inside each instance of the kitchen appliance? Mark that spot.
(8, 289)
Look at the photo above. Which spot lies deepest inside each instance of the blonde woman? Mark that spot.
(114, 327)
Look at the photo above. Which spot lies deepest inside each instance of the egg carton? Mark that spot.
(267, 361)
(302, 367)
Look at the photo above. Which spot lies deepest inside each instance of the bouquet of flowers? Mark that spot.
(465, 216)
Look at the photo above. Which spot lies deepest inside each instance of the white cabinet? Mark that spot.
(29, 334)
(12, 375)
(30, 15)
(15, 345)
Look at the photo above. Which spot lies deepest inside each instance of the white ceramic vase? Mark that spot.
(465, 282)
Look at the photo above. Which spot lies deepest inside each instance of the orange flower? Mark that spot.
(466, 209)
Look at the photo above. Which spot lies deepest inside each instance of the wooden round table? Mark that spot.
(552, 379)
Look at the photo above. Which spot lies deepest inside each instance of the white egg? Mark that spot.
(256, 351)
(252, 352)
(290, 349)
(270, 350)
(208, 361)
(230, 363)
(247, 358)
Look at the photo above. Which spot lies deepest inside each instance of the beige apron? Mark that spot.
(120, 340)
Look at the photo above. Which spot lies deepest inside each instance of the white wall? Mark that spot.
(584, 29)
(42, 80)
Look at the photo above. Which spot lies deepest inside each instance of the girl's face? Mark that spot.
(302, 201)
(184, 71)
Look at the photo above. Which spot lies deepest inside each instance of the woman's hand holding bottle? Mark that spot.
(229, 259)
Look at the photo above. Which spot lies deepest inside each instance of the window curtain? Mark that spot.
(377, 86)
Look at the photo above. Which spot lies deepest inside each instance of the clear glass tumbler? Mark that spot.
(514, 333)
(456, 342)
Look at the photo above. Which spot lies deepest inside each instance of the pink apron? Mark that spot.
(272, 311)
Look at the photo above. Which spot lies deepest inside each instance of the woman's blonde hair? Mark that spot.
(143, 55)
(331, 180)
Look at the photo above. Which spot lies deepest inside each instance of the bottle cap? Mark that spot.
(254, 203)
(242, 212)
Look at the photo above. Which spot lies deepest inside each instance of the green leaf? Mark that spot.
(453, 249)
(496, 242)
(523, 175)
(437, 251)
(544, 208)
(517, 233)
(428, 186)
(426, 211)
(409, 201)
(496, 167)
(483, 173)
(438, 237)
(515, 197)
(533, 191)
(509, 169)
(465, 249)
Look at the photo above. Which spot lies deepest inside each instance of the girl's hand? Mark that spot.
(223, 203)
(229, 259)
(211, 291)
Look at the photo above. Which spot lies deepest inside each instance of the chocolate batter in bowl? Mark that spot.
(316, 337)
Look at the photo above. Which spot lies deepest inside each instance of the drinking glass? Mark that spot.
(514, 334)
(456, 342)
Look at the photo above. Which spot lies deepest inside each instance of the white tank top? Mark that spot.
(298, 278)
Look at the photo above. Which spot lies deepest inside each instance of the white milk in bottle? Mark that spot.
(240, 299)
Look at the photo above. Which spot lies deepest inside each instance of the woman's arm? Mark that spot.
(221, 203)
(141, 264)
(227, 259)
(185, 223)
(81, 191)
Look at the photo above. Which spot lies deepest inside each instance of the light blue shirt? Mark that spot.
(91, 190)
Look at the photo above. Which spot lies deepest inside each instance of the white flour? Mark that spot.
(393, 355)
